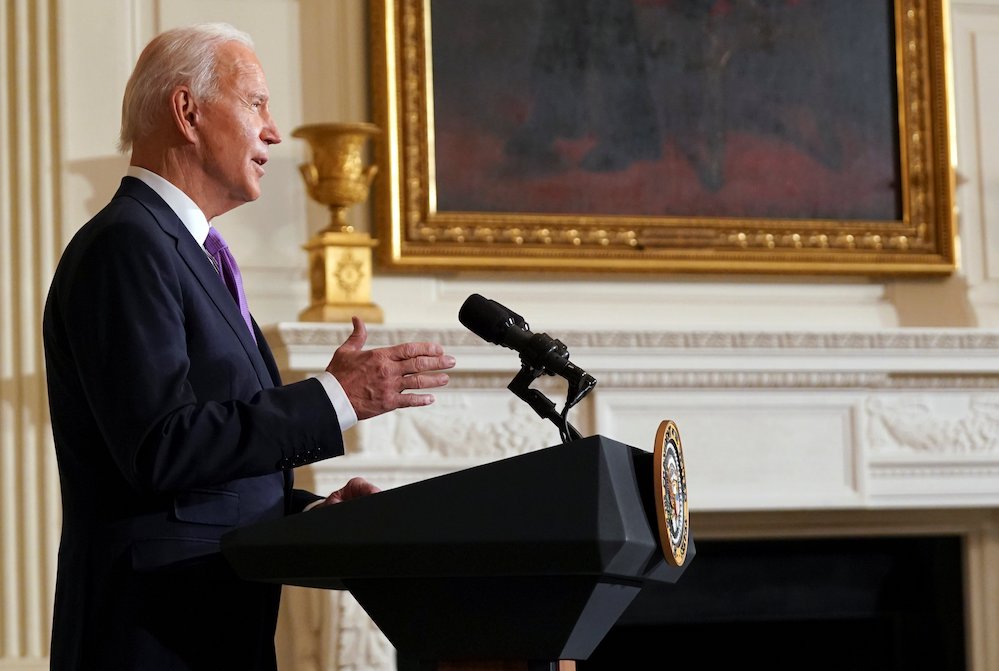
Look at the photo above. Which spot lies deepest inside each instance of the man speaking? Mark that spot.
(171, 426)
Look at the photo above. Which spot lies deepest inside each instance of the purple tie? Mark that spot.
(226, 264)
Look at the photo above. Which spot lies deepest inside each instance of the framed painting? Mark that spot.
(664, 136)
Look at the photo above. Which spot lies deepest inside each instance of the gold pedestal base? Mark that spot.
(369, 312)
(340, 278)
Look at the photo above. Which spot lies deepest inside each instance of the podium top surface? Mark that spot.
(579, 509)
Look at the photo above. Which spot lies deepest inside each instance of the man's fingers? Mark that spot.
(421, 364)
(413, 350)
(414, 400)
(356, 487)
(425, 381)
(378, 380)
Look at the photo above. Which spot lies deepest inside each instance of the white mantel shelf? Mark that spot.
(796, 420)
(306, 346)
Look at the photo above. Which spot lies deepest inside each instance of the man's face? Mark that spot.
(236, 130)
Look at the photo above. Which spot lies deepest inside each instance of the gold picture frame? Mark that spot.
(417, 232)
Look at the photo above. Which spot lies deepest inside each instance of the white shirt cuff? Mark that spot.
(338, 398)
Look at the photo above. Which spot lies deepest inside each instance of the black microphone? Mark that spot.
(501, 326)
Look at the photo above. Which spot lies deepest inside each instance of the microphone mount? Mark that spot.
(544, 355)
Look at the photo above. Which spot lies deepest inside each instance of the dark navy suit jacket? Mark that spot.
(171, 428)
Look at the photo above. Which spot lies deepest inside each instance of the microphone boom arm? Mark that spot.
(542, 405)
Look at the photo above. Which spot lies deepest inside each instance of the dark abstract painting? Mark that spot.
(697, 108)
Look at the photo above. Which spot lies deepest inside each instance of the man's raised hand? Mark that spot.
(382, 379)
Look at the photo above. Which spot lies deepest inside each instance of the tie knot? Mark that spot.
(214, 243)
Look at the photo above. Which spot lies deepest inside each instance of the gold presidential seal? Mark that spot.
(670, 487)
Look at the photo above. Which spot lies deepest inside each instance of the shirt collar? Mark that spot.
(178, 201)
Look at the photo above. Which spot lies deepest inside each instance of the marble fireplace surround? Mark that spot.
(785, 434)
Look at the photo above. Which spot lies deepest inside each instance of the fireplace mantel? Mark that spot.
(768, 420)
(793, 432)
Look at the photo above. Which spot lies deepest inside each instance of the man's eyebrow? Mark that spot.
(258, 96)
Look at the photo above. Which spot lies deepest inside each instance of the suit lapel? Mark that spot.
(201, 267)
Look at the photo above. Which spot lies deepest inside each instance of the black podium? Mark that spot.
(532, 557)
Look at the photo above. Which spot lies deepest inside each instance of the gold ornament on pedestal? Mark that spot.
(339, 257)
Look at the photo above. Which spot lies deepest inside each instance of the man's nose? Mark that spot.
(270, 133)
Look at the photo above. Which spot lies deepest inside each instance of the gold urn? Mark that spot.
(340, 265)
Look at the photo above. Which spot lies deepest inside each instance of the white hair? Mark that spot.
(177, 57)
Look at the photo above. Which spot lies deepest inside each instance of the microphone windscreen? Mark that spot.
(485, 318)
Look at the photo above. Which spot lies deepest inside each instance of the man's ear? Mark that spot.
(184, 112)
